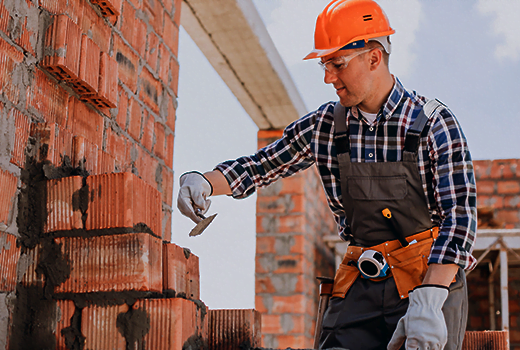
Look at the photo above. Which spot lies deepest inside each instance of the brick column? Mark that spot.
(292, 216)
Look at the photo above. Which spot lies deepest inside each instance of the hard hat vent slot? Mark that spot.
(367, 18)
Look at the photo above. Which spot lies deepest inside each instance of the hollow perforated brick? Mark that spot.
(27, 266)
(85, 154)
(122, 200)
(63, 204)
(23, 129)
(9, 255)
(53, 143)
(108, 7)
(64, 312)
(88, 77)
(107, 91)
(62, 41)
(8, 184)
(234, 329)
(488, 340)
(99, 327)
(175, 323)
(131, 261)
(181, 271)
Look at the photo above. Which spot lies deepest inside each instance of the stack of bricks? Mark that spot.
(498, 189)
(292, 216)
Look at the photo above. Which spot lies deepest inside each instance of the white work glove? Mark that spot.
(423, 326)
(193, 193)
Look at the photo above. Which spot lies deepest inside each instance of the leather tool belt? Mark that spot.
(408, 265)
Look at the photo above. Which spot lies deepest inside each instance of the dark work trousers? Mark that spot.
(367, 317)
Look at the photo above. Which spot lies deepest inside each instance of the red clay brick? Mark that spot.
(63, 38)
(26, 36)
(9, 255)
(136, 114)
(482, 169)
(22, 132)
(62, 211)
(508, 187)
(288, 304)
(164, 64)
(65, 310)
(153, 11)
(112, 263)
(173, 322)
(147, 167)
(159, 145)
(4, 17)
(152, 53)
(263, 284)
(231, 329)
(127, 22)
(510, 218)
(512, 201)
(174, 71)
(151, 89)
(486, 187)
(122, 108)
(167, 225)
(85, 154)
(53, 6)
(86, 122)
(10, 57)
(47, 99)
(169, 151)
(8, 184)
(107, 163)
(181, 271)
(493, 340)
(265, 244)
(109, 7)
(129, 199)
(107, 94)
(128, 62)
(148, 130)
(88, 77)
(75, 10)
(45, 135)
(172, 39)
(168, 5)
(167, 186)
(139, 42)
(170, 121)
(119, 147)
(29, 277)
(295, 341)
(495, 202)
(99, 327)
(177, 13)
(271, 324)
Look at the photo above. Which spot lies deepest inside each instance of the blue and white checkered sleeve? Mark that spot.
(454, 191)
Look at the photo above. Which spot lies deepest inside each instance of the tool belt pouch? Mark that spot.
(409, 265)
(346, 275)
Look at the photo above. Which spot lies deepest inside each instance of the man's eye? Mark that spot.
(337, 65)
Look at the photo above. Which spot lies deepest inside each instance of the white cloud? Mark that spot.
(505, 25)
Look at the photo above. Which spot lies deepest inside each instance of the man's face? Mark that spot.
(353, 82)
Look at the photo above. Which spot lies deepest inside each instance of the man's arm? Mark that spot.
(440, 274)
(219, 183)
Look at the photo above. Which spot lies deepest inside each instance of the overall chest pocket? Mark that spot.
(377, 187)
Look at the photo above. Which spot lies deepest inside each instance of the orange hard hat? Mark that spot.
(348, 24)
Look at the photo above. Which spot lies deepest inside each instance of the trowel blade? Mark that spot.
(201, 226)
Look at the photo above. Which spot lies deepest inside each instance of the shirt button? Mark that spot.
(371, 128)
(371, 155)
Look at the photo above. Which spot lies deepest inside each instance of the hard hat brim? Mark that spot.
(317, 53)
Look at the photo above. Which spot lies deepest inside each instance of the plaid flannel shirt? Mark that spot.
(444, 164)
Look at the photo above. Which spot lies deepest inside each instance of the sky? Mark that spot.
(466, 53)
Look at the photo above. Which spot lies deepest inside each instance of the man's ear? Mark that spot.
(376, 58)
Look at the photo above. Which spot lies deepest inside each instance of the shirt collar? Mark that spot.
(393, 100)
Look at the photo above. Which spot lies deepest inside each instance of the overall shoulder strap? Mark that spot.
(411, 143)
(341, 138)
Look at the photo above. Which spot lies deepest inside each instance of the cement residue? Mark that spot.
(196, 342)
(187, 252)
(134, 325)
(74, 340)
(54, 265)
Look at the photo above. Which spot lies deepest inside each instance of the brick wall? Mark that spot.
(498, 190)
(498, 201)
(88, 92)
(292, 216)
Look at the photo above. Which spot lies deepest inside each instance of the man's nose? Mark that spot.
(329, 77)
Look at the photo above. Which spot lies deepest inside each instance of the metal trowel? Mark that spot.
(201, 226)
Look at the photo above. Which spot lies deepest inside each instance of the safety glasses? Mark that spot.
(337, 64)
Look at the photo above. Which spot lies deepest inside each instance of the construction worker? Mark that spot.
(399, 180)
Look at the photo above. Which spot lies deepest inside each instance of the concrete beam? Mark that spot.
(232, 36)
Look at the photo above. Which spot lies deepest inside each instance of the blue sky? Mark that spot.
(465, 53)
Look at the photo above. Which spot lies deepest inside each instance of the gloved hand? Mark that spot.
(423, 326)
(193, 193)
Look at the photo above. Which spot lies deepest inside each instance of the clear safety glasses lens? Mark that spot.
(337, 64)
